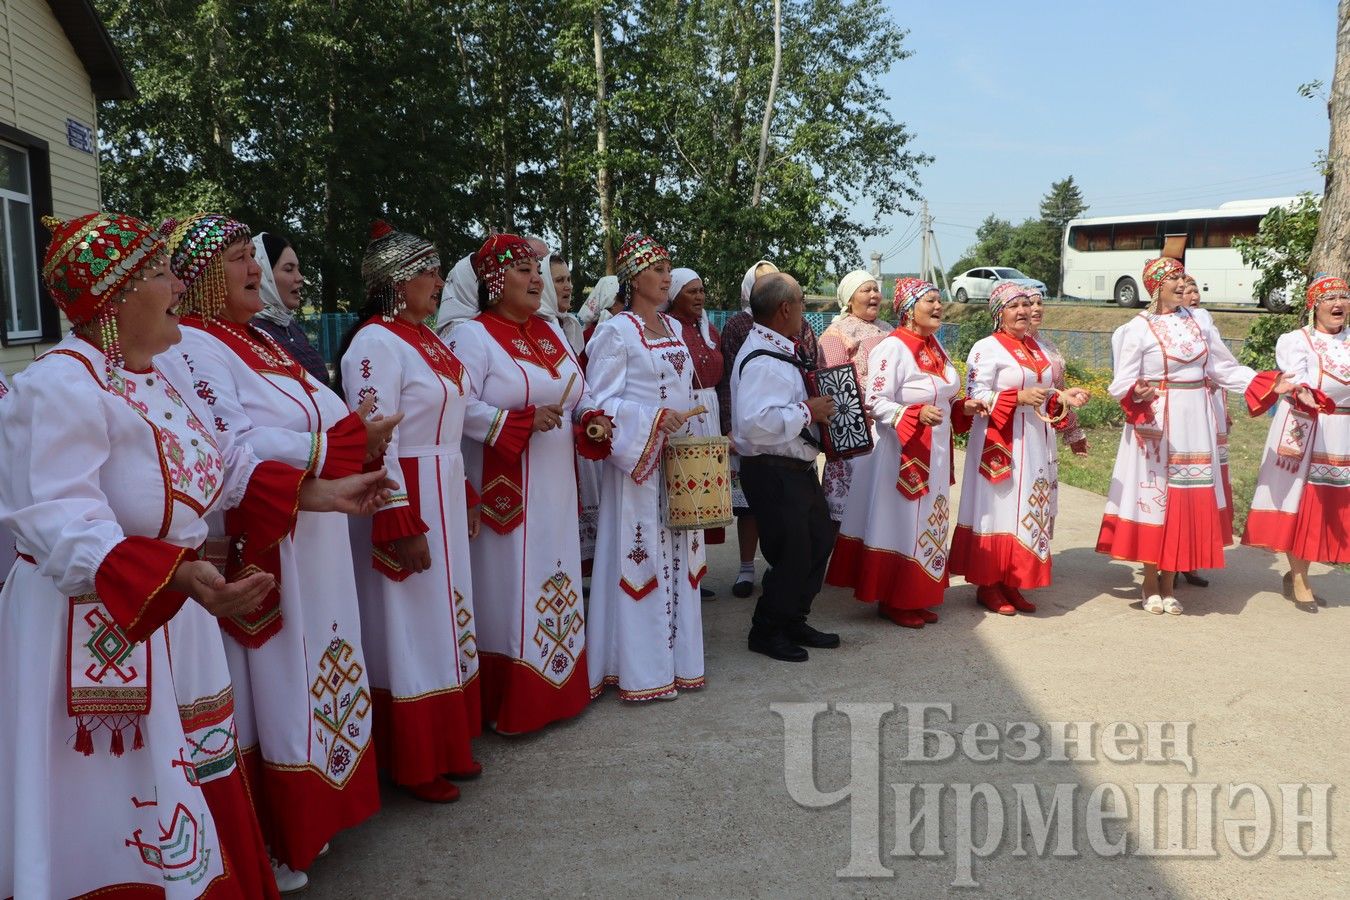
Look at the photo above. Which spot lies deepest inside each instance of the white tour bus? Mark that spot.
(1104, 256)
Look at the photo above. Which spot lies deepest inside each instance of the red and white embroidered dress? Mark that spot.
(645, 633)
(418, 630)
(892, 544)
(1008, 492)
(117, 729)
(531, 619)
(1166, 505)
(302, 697)
(1302, 500)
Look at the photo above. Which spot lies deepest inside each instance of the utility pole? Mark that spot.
(937, 274)
(876, 264)
(923, 234)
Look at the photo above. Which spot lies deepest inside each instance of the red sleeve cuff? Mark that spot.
(389, 525)
(1004, 407)
(515, 432)
(588, 447)
(909, 424)
(1260, 394)
(270, 505)
(1321, 402)
(346, 452)
(961, 420)
(1137, 411)
(471, 497)
(133, 584)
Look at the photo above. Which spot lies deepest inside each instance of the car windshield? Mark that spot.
(1009, 273)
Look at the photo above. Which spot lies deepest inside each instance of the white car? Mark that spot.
(977, 284)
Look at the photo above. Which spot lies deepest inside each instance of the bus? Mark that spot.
(1104, 256)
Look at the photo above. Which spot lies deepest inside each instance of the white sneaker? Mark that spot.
(1154, 604)
(289, 881)
(1171, 606)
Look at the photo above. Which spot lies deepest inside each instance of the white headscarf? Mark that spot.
(459, 297)
(849, 285)
(679, 278)
(273, 309)
(596, 307)
(548, 308)
(748, 282)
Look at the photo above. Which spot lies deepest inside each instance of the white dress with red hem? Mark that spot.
(646, 626)
(1166, 503)
(531, 618)
(1302, 499)
(892, 543)
(117, 728)
(418, 630)
(1008, 492)
(303, 702)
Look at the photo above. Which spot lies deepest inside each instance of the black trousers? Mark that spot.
(795, 535)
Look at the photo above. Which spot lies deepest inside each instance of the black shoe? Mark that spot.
(809, 637)
(778, 646)
(1197, 580)
(706, 594)
(743, 588)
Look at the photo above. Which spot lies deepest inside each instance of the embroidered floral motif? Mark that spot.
(365, 368)
(367, 393)
(677, 359)
(560, 627)
(204, 391)
(342, 709)
(639, 553)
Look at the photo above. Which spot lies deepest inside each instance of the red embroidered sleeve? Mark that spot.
(133, 583)
(270, 505)
(1004, 406)
(961, 420)
(1261, 394)
(390, 525)
(1321, 402)
(588, 447)
(1137, 411)
(346, 450)
(908, 424)
(514, 433)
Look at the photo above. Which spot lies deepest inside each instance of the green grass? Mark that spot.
(1245, 443)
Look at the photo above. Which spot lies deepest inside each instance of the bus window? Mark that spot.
(1222, 231)
(1136, 236)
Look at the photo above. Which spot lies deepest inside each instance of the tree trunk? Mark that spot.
(602, 185)
(768, 104)
(1331, 249)
(328, 261)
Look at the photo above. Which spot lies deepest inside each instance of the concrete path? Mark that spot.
(690, 798)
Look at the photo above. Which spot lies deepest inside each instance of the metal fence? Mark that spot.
(1091, 349)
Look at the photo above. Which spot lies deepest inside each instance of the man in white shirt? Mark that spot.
(772, 428)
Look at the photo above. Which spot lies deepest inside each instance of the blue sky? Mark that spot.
(1149, 105)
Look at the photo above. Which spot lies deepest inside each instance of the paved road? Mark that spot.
(689, 798)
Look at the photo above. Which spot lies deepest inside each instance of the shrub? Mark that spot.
(1259, 350)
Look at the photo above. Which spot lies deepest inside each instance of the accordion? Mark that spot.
(846, 434)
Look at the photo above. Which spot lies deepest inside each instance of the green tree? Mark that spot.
(1281, 250)
(1063, 203)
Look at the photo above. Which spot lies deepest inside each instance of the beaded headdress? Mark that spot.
(638, 252)
(392, 258)
(1156, 271)
(195, 256)
(1004, 293)
(90, 261)
(499, 253)
(1321, 288)
(907, 294)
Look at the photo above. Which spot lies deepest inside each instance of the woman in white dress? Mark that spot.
(646, 628)
(304, 750)
(415, 589)
(1302, 502)
(521, 446)
(117, 727)
(892, 543)
(1165, 506)
(1009, 488)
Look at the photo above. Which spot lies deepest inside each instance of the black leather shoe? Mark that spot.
(706, 594)
(1195, 579)
(742, 588)
(809, 637)
(778, 647)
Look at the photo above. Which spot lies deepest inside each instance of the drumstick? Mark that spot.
(696, 411)
(568, 390)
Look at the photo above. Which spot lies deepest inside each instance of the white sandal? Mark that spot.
(1171, 606)
(1154, 604)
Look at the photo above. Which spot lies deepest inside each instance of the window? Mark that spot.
(1135, 236)
(18, 250)
(1222, 231)
(1008, 273)
(1090, 237)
